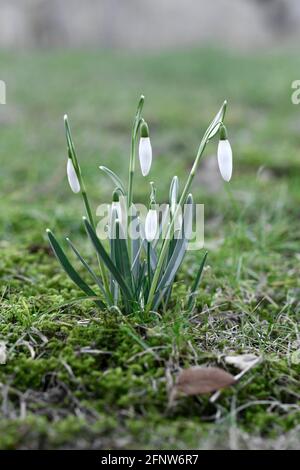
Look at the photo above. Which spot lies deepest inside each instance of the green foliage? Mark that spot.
(143, 272)
(99, 380)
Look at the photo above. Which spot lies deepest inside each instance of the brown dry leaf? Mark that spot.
(198, 380)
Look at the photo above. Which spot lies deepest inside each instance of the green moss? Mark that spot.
(76, 377)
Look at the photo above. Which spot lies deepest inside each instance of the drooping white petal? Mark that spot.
(116, 211)
(145, 155)
(225, 159)
(178, 220)
(113, 216)
(117, 206)
(72, 177)
(151, 225)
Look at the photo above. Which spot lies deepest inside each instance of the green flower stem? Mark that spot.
(135, 128)
(167, 239)
(73, 156)
(131, 170)
(149, 263)
(101, 265)
(87, 206)
(91, 221)
(182, 200)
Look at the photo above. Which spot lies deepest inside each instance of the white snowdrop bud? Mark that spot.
(72, 177)
(116, 205)
(151, 225)
(145, 150)
(224, 155)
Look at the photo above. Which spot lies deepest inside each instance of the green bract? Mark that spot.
(133, 273)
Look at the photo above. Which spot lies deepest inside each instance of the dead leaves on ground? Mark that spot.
(200, 380)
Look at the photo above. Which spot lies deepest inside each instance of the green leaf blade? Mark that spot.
(192, 296)
(115, 178)
(106, 259)
(69, 269)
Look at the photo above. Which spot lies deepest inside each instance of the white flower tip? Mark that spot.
(65, 117)
(225, 159)
(72, 177)
(151, 225)
(48, 230)
(145, 155)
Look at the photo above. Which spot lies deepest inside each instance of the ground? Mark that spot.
(76, 377)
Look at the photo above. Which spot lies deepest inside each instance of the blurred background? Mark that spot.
(93, 59)
(147, 24)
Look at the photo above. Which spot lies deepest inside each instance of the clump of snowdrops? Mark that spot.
(138, 272)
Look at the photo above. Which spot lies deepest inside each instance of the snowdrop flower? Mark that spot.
(173, 194)
(72, 177)
(116, 205)
(151, 225)
(178, 221)
(224, 155)
(145, 150)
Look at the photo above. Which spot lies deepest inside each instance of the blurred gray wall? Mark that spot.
(147, 23)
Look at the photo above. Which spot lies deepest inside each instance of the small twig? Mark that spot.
(237, 377)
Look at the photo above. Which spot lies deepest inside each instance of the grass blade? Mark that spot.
(106, 259)
(87, 267)
(136, 248)
(193, 294)
(121, 255)
(114, 288)
(177, 255)
(68, 268)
